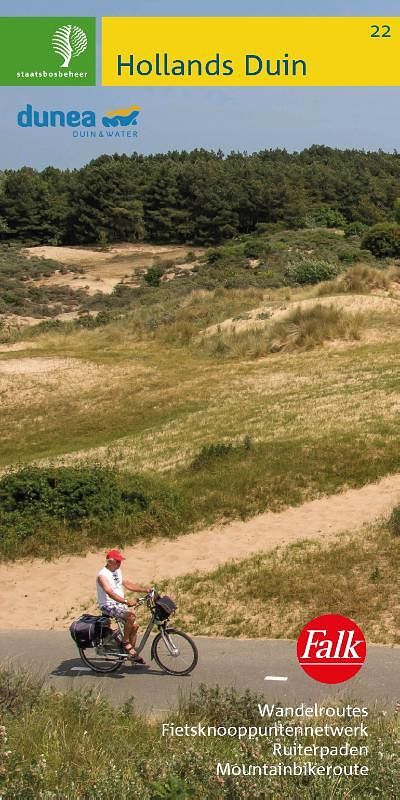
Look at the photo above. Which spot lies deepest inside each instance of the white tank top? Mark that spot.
(114, 580)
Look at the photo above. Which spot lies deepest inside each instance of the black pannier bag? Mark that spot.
(86, 631)
(164, 607)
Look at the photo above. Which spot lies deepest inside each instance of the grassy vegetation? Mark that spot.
(300, 329)
(273, 594)
(360, 279)
(70, 509)
(305, 329)
(20, 292)
(271, 259)
(68, 747)
(132, 406)
(145, 395)
(240, 483)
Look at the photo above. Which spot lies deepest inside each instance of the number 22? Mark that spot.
(380, 32)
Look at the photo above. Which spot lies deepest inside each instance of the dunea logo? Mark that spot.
(119, 123)
(69, 41)
(331, 648)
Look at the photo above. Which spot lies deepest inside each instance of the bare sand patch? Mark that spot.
(28, 366)
(87, 255)
(67, 255)
(49, 595)
(103, 270)
(103, 280)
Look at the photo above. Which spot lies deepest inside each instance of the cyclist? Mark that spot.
(111, 598)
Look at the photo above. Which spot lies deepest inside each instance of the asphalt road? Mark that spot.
(240, 663)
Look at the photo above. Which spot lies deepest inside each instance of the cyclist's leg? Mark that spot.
(130, 629)
(126, 615)
(128, 618)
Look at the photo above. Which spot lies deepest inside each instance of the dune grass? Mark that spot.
(156, 406)
(301, 329)
(274, 594)
(75, 746)
(361, 278)
(139, 395)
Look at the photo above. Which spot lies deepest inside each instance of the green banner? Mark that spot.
(47, 51)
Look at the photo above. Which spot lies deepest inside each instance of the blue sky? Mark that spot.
(183, 118)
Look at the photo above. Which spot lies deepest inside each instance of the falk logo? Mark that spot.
(69, 41)
(331, 648)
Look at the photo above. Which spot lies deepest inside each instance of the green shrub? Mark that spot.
(311, 271)
(68, 509)
(255, 248)
(383, 240)
(64, 493)
(325, 217)
(214, 255)
(95, 321)
(354, 229)
(172, 788)
(210, 453)
(154, 274)
(348, 256)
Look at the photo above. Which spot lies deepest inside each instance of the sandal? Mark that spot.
(139, 660)
(127, 647)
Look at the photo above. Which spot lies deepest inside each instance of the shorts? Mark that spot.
(115, 610)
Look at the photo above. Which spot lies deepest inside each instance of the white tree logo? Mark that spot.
(69, 41)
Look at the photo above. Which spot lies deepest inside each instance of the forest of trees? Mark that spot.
(197, 197)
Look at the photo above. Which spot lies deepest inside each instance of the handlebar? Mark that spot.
(148, 598)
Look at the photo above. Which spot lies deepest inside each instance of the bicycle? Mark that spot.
(173, 650)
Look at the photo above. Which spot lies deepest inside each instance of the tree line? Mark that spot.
(200, 197)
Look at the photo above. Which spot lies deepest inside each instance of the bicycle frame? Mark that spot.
(139, 647)
(161, 627)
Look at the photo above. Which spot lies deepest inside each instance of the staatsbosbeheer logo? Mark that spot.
(331, 648)
(48, 51)
(69, 41)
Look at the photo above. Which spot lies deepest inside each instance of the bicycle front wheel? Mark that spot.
(98, 662)
(175, 652)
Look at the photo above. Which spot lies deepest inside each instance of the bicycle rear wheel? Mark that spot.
(101, 662)
(178, 655)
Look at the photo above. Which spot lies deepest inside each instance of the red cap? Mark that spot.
(116, 555)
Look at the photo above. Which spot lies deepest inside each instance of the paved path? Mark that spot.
(242, 663)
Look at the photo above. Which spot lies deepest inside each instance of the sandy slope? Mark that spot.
(49, 594)
(352, 303)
